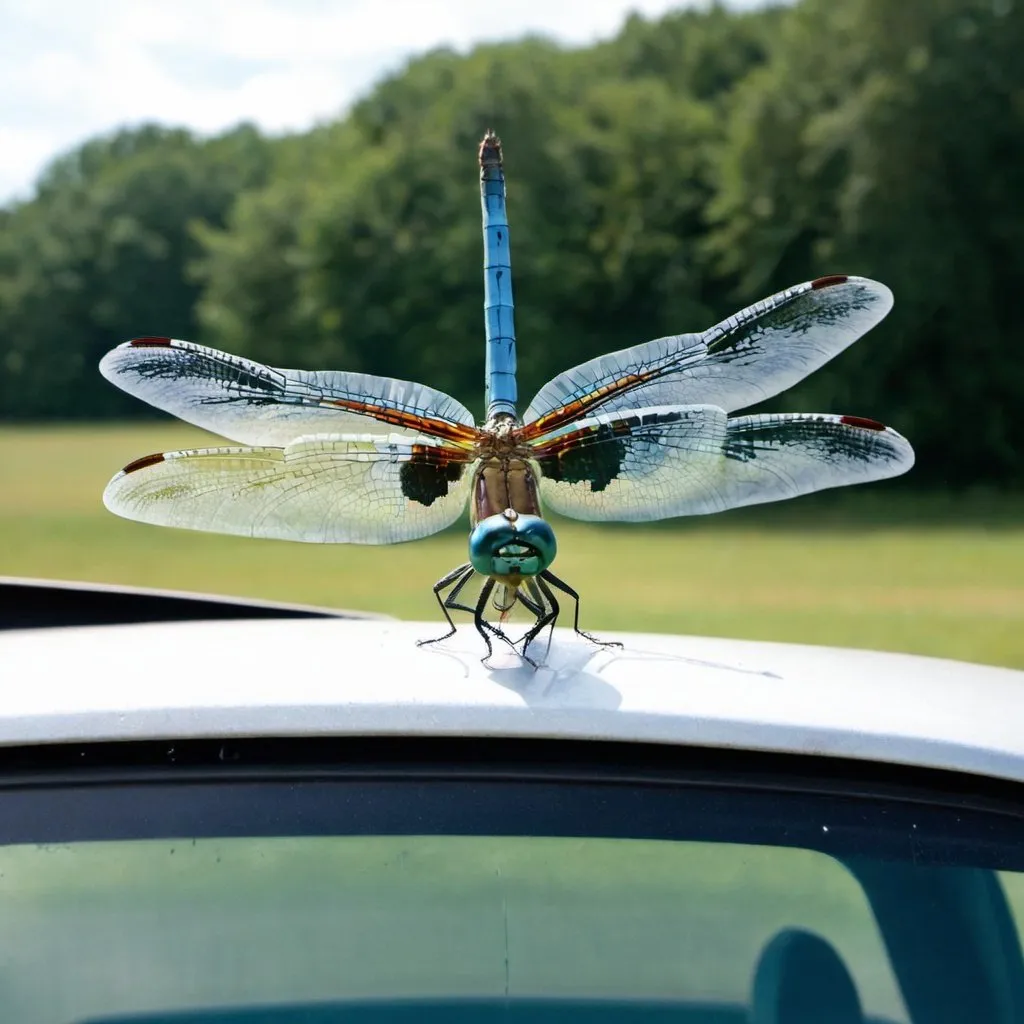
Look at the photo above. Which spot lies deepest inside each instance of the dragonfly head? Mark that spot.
(511, 544)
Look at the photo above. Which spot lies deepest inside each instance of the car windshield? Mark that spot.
(314, 899)
(155, 924)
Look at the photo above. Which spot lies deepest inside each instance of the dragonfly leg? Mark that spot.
(455, 606)
(550, 577)
(459, 577)
(482, 625)
(547, 614)
(457, 580)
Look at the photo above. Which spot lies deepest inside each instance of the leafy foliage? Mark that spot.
(103, 252)
(657, 182)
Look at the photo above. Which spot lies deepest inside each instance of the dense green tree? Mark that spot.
(103, 252)
(699, 52)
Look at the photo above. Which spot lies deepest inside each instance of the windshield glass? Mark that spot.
(267, 902)
(139, 926)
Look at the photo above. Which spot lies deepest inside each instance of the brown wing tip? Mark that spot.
(490, 150)
(150, 342)
(862, 422)
(146, 460)
(829, 281)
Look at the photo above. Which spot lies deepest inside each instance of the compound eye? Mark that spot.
(523, 546)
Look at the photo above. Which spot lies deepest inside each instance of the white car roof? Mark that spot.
(335, 677)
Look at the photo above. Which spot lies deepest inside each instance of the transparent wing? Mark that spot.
(753, 355)
(694, 460)
(260, 405)
(320, 489)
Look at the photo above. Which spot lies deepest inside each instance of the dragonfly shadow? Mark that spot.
(571, 674)
(562, 679)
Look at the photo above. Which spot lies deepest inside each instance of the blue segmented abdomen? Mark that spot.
(498, 306)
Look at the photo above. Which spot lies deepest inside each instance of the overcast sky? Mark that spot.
(70, 69)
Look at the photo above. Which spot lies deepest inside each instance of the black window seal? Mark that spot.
(499, 759)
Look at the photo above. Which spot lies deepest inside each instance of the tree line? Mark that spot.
(657, 182)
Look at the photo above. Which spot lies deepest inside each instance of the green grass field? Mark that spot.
(866, 568)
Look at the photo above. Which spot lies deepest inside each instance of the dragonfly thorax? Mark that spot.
(503, 481)
(501, 426)
(509, 546)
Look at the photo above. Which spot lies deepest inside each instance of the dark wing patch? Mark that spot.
(598, 466)
(597, 454)
(424, 479)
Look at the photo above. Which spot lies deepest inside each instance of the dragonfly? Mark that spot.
(636, 435)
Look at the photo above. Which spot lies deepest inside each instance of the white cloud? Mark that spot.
(24, 152)
(72, 68)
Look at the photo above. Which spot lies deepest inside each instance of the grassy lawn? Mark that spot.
(874, 568)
